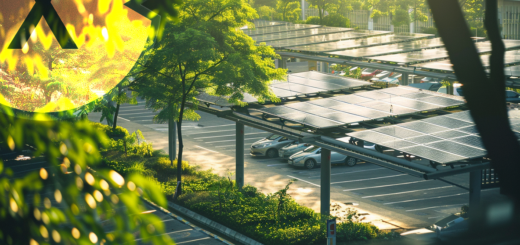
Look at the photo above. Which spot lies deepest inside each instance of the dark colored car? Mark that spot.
(369, 73)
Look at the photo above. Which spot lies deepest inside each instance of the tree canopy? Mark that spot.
(205, 51)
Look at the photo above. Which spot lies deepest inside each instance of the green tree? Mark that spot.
(266, 12)
(398, 10)
(288, 10)
(71, 198)
(323, 6)
(205, 50)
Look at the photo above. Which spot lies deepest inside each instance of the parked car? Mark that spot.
(369, 72)
(269, 145)
(311, 157)
(290, 149)
(393, 78)
(430, 79)
(512, 96)
(380, 76)
(457, 89)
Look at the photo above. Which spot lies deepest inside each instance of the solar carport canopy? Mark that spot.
(438, 53)
(412, 45)
(362, 106)
(259, 23)
(298, 84)
(356, 43)
(325, 38)
(442, 139)
(510, 57)
(278, 28)
(299, 33)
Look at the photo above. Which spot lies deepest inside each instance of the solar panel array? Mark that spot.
(391, 48)
(438, 53)
(297, 84)
(442, 139)
(362, 106)
(510, 57)
(357, 43)
(325, 38)
(278, 28)
(299, 33)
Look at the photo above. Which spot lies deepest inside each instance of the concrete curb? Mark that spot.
(214, 225)
(186, 222)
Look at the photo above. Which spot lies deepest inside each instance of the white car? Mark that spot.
(311, 157)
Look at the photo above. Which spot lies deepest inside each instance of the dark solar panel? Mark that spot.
(373, 137)
(278, 110)
(398, 132)
(361, 111)
(314, 121)
(433, 154)
(300, 89)
(397, 144)
(310, 108)
(411, 103)
(449, 134)
(448, 122)
(465, 116)
(423, 127)
(458, 149)
(472, 140)
(352, 99)
(424, 139)
(326, 102)
(387, 107)
(400, 90)
(419, 95)
(282, 93)
(315, 83)
(343, 117)
(441, 101)
(376, 95)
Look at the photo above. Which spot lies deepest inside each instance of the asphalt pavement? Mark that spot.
(389, 199)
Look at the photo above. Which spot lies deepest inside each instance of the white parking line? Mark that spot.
(350, 172)
(428, 198)
(152, 115)
(210, 131)
(304, 181)
(230, 140)
(442, 206)
(404, 192)
(206, 149)
(216, 126)
(123, 118)
(204, 238)
(380, 186)
(224, 146)
(168, 232)
(223, 135)
(348, 181)
(139, 113)
(275, 165)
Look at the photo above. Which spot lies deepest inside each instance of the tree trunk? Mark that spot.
(115, 117)
(485, 97)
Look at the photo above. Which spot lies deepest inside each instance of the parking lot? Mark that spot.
(210, 143)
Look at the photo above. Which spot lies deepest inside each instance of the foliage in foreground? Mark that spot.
(270, 219)
(65, 201)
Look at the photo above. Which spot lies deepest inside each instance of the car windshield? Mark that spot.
(272, 137)
(366, 143)
(311, 149)
(396, 75)
(369, 70)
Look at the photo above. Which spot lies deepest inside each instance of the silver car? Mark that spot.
(291, 149)
(269, 146)
(311, 157)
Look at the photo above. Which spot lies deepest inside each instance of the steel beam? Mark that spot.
(239, 134)
(404, 79)
(325, 182)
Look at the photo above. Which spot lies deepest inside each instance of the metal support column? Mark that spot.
(449, 88)
(404, 79)
(239, 134)
(325, 182)
(303, 6)
(475, 183)
(172, 139)
(284, 62)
